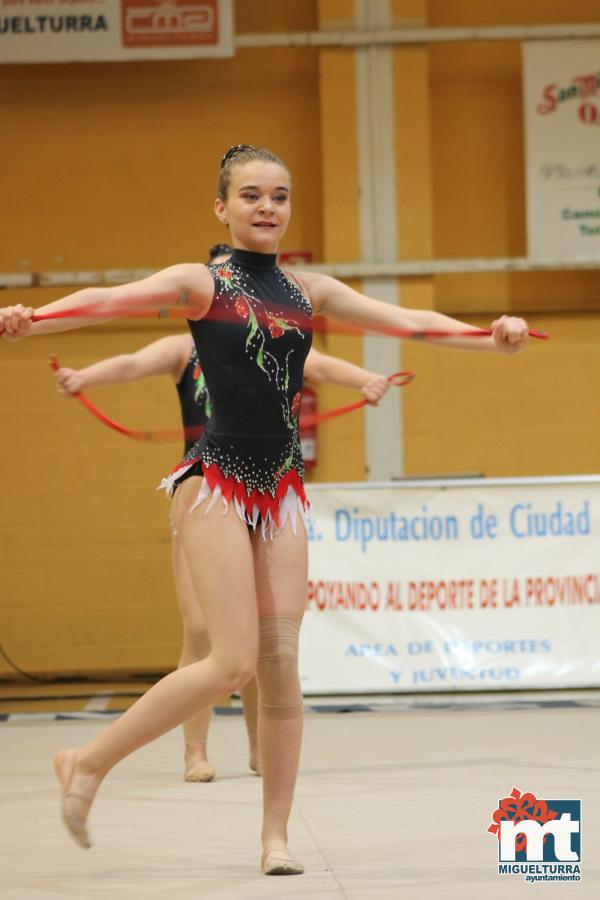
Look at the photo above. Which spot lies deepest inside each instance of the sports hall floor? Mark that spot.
(393, 801)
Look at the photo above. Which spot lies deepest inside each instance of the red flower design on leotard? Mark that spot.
(241, 308)
(296, 404)
(275, 329)
(197, 371)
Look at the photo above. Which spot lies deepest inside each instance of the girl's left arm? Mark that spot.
(331, 297)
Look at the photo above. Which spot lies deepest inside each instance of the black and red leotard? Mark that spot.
(251, 345)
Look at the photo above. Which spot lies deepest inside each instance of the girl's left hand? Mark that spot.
(510, 334)
(374, 389)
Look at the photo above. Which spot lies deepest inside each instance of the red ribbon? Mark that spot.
(399, 379)
(121, 310)
(174, 434)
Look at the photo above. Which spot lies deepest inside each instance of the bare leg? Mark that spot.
(196, 646)
(281, 572)
(219, 555)
(249, 695)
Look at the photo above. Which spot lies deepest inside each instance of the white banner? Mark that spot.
(460, 585)
(561, 85)
(37, 31)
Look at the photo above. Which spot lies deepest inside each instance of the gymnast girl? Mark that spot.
(238, 497)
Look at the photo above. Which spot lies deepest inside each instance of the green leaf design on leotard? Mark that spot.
(253, 329)
(200, 389)
(199, 386)
(285, 467)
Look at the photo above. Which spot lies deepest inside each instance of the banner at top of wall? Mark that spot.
(42, 31)
(561, 97)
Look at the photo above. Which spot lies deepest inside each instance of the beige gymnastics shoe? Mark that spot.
(199, 771)
(74, 807)
(280, 862)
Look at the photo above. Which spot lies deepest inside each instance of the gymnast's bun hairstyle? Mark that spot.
(219, 250)
(237, 156)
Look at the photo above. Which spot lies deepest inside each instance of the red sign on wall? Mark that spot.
(168, 23)
(296, 257)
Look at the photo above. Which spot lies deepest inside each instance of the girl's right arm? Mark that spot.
(189, 286)
(166, 356)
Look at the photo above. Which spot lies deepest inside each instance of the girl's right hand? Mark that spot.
(69, 381)
(15, 322)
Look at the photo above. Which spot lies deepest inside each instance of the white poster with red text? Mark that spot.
(561, 97)
(40, 31)
(479, 584)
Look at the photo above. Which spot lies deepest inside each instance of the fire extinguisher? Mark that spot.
(308, 432)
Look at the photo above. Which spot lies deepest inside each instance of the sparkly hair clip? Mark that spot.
(234, 151)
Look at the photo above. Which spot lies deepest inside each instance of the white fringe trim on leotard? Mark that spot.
(290, 506)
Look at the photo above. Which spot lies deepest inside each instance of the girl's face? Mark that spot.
(257, 209)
